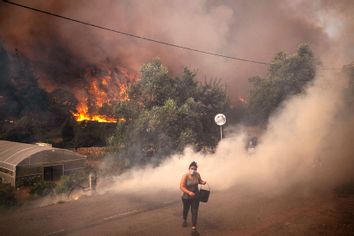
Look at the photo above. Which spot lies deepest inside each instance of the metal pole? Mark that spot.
(90, 181)
(220, 132)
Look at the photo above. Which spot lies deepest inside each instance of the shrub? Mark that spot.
(70, 182)
(7, 195)
(42, 188)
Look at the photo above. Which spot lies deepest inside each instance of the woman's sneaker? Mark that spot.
(194, 231)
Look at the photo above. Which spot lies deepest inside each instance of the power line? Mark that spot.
(137, 36)
(146, 38)
(329, 69)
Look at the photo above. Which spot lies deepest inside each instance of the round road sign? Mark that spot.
(220, 119)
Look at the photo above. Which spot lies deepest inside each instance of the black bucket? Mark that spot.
(204, 194)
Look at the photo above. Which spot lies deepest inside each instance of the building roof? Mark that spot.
(12, 153)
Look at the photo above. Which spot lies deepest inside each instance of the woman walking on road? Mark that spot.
(190, 197)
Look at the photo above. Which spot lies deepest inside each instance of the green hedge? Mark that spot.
(42, 188)
(69, 182)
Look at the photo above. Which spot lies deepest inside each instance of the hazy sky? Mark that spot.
(247, 29)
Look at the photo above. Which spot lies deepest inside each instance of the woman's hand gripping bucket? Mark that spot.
(204, 194)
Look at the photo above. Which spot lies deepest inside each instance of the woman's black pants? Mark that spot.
(192, 203)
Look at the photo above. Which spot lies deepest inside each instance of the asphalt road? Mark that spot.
(233, 212)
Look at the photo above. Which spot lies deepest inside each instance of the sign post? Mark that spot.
(220, 120)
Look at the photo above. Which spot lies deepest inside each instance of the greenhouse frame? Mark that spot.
(23, 164)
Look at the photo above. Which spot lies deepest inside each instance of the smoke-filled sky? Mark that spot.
(60, 50)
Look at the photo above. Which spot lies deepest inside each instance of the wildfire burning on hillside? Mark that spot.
(105, 87)
(82, 115)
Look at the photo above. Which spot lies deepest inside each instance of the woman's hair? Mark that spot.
(193, 164)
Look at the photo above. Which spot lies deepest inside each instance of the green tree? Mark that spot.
(165, 114)
(155, 85)
(287, 75)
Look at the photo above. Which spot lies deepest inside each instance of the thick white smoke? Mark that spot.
(307, 143)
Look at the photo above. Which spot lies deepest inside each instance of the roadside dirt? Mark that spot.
(233, 212)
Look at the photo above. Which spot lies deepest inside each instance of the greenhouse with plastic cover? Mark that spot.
(23, 164)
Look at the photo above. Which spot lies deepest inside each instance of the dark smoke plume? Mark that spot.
(251, 29)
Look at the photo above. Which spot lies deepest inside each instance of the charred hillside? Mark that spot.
(71, 115)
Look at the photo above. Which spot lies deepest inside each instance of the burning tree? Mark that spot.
(33, 109)
(104, 86)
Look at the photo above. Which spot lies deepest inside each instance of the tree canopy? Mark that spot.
(164, 114)
(287, 75)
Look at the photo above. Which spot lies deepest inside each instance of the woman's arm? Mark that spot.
(182, 186)
(200, 180)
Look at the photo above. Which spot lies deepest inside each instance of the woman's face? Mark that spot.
(192, 170)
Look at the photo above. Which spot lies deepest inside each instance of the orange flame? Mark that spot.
(102, 90)
(83, 115)
(242, 100)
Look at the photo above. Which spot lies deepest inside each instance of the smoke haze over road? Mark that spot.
(307, 143)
